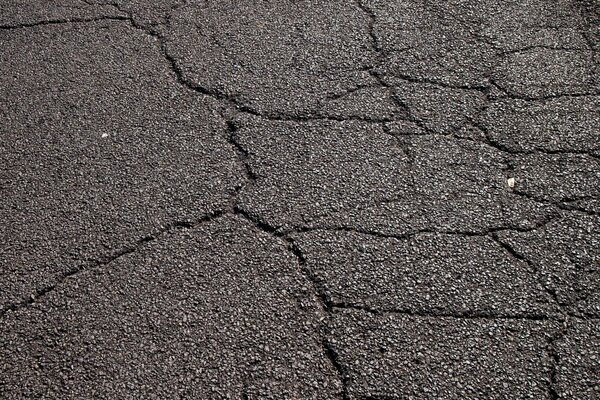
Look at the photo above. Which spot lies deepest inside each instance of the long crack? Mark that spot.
(63, 21)
(104, 261)
(320, 294)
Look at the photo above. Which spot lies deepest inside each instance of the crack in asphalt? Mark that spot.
(468, 87)
(230, 101)
(243, 155)
(9, 27)
(515, 96)
(561, 204)
(552, 352)
(93, 263)
(541, 46)
(372, 18)
(411, 234)
(505, 149)
(554, 356)
(572, 207)
(591, 16)
(514, 253)
(341, 369)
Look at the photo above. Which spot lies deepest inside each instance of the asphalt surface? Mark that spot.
(353, 200)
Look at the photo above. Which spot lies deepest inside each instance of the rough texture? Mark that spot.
(579, 362)
(274, 57)
(23, 13)
(428, 274)
(398, 356)
(179, 318)
(567, 253)
(555, 125)
(558, 177)
(99, 150)
(351, 174)
(351, 200)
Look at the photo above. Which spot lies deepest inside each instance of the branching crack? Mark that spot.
(521, 257)
(381, 56)
(321, 294)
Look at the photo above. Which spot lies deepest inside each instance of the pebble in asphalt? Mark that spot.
(387, 185)
(73, 195)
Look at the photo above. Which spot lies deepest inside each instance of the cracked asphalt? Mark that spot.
(351, 200)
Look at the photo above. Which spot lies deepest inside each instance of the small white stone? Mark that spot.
(104, 135)
(511, 182)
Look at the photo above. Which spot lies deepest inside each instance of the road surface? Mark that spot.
(370, 200)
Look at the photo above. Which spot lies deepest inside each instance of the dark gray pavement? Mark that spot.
(354, 200)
